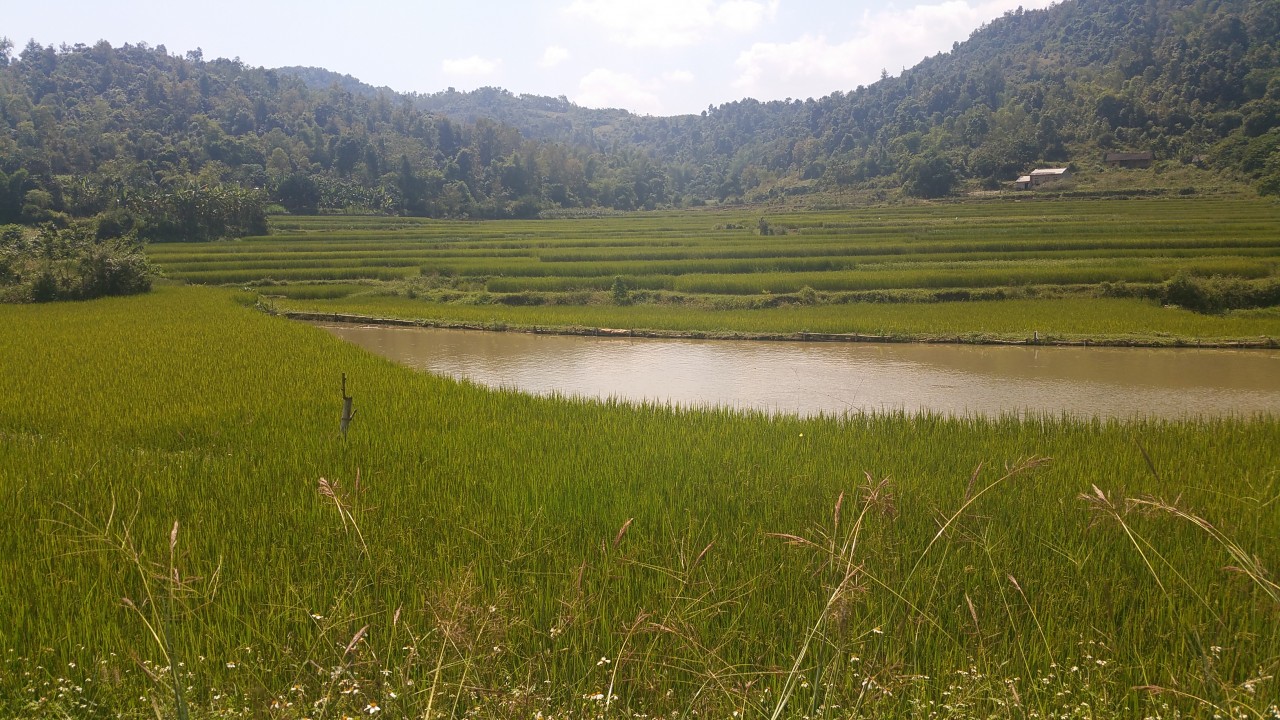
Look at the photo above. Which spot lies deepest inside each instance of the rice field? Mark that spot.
(825, 268)
(1097, 319)
(189, 534)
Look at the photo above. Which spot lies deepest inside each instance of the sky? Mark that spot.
(654, 57)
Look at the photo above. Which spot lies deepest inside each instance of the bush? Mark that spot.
(71, 264)
(12, 236)
(44, 288)
(1220, 293)
(931, 176)
(621, 293)
(113, 268)
(1269, 185)
(115, 223)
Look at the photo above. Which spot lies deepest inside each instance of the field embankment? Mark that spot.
(182, 506)
(1068, 321)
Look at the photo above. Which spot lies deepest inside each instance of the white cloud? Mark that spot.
(671, 23)
(553, 56)
(744, 15)
(603, 88)
(471, 66)
(890, 39)
(811, 61)
(678, 77)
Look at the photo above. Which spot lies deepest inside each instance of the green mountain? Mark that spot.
(88, 130)
(1188, 81)
(1183, 80)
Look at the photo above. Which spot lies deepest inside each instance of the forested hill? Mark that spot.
(94, 129)
(537, 117)
(1181, 79)
(1187, 80)
(91, 129)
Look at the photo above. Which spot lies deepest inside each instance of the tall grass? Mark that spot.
(465, 551)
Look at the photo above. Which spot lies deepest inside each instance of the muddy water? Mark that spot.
(833, 378)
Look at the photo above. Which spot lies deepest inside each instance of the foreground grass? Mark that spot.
(488, 554)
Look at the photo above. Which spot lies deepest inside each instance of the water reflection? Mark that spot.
(812, 378)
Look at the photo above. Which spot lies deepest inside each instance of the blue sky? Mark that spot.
(659, 57)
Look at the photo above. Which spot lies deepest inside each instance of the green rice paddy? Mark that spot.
(1102, 319)
(953, 266)
(187, 533)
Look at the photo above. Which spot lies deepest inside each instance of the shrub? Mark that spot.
(115, 223)
(71, 264)
(115, 267)
(44, 287)
(621, 294)
(931, 176)
(1220, 293)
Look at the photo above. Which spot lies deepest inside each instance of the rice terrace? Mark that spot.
(216, 507)
(885, 271)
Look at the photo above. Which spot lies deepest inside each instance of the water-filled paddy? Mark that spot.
(814, 378)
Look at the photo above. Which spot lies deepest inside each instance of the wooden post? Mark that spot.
(348, 414)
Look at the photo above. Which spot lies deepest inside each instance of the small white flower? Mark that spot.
(231, 665)
(372, 709)
(603, 661)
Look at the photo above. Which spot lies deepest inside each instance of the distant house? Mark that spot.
(1129, 159)
(1047, 175)
(1022, 183)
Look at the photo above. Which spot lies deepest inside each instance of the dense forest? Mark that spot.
(1191, 82)
(161, 146)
